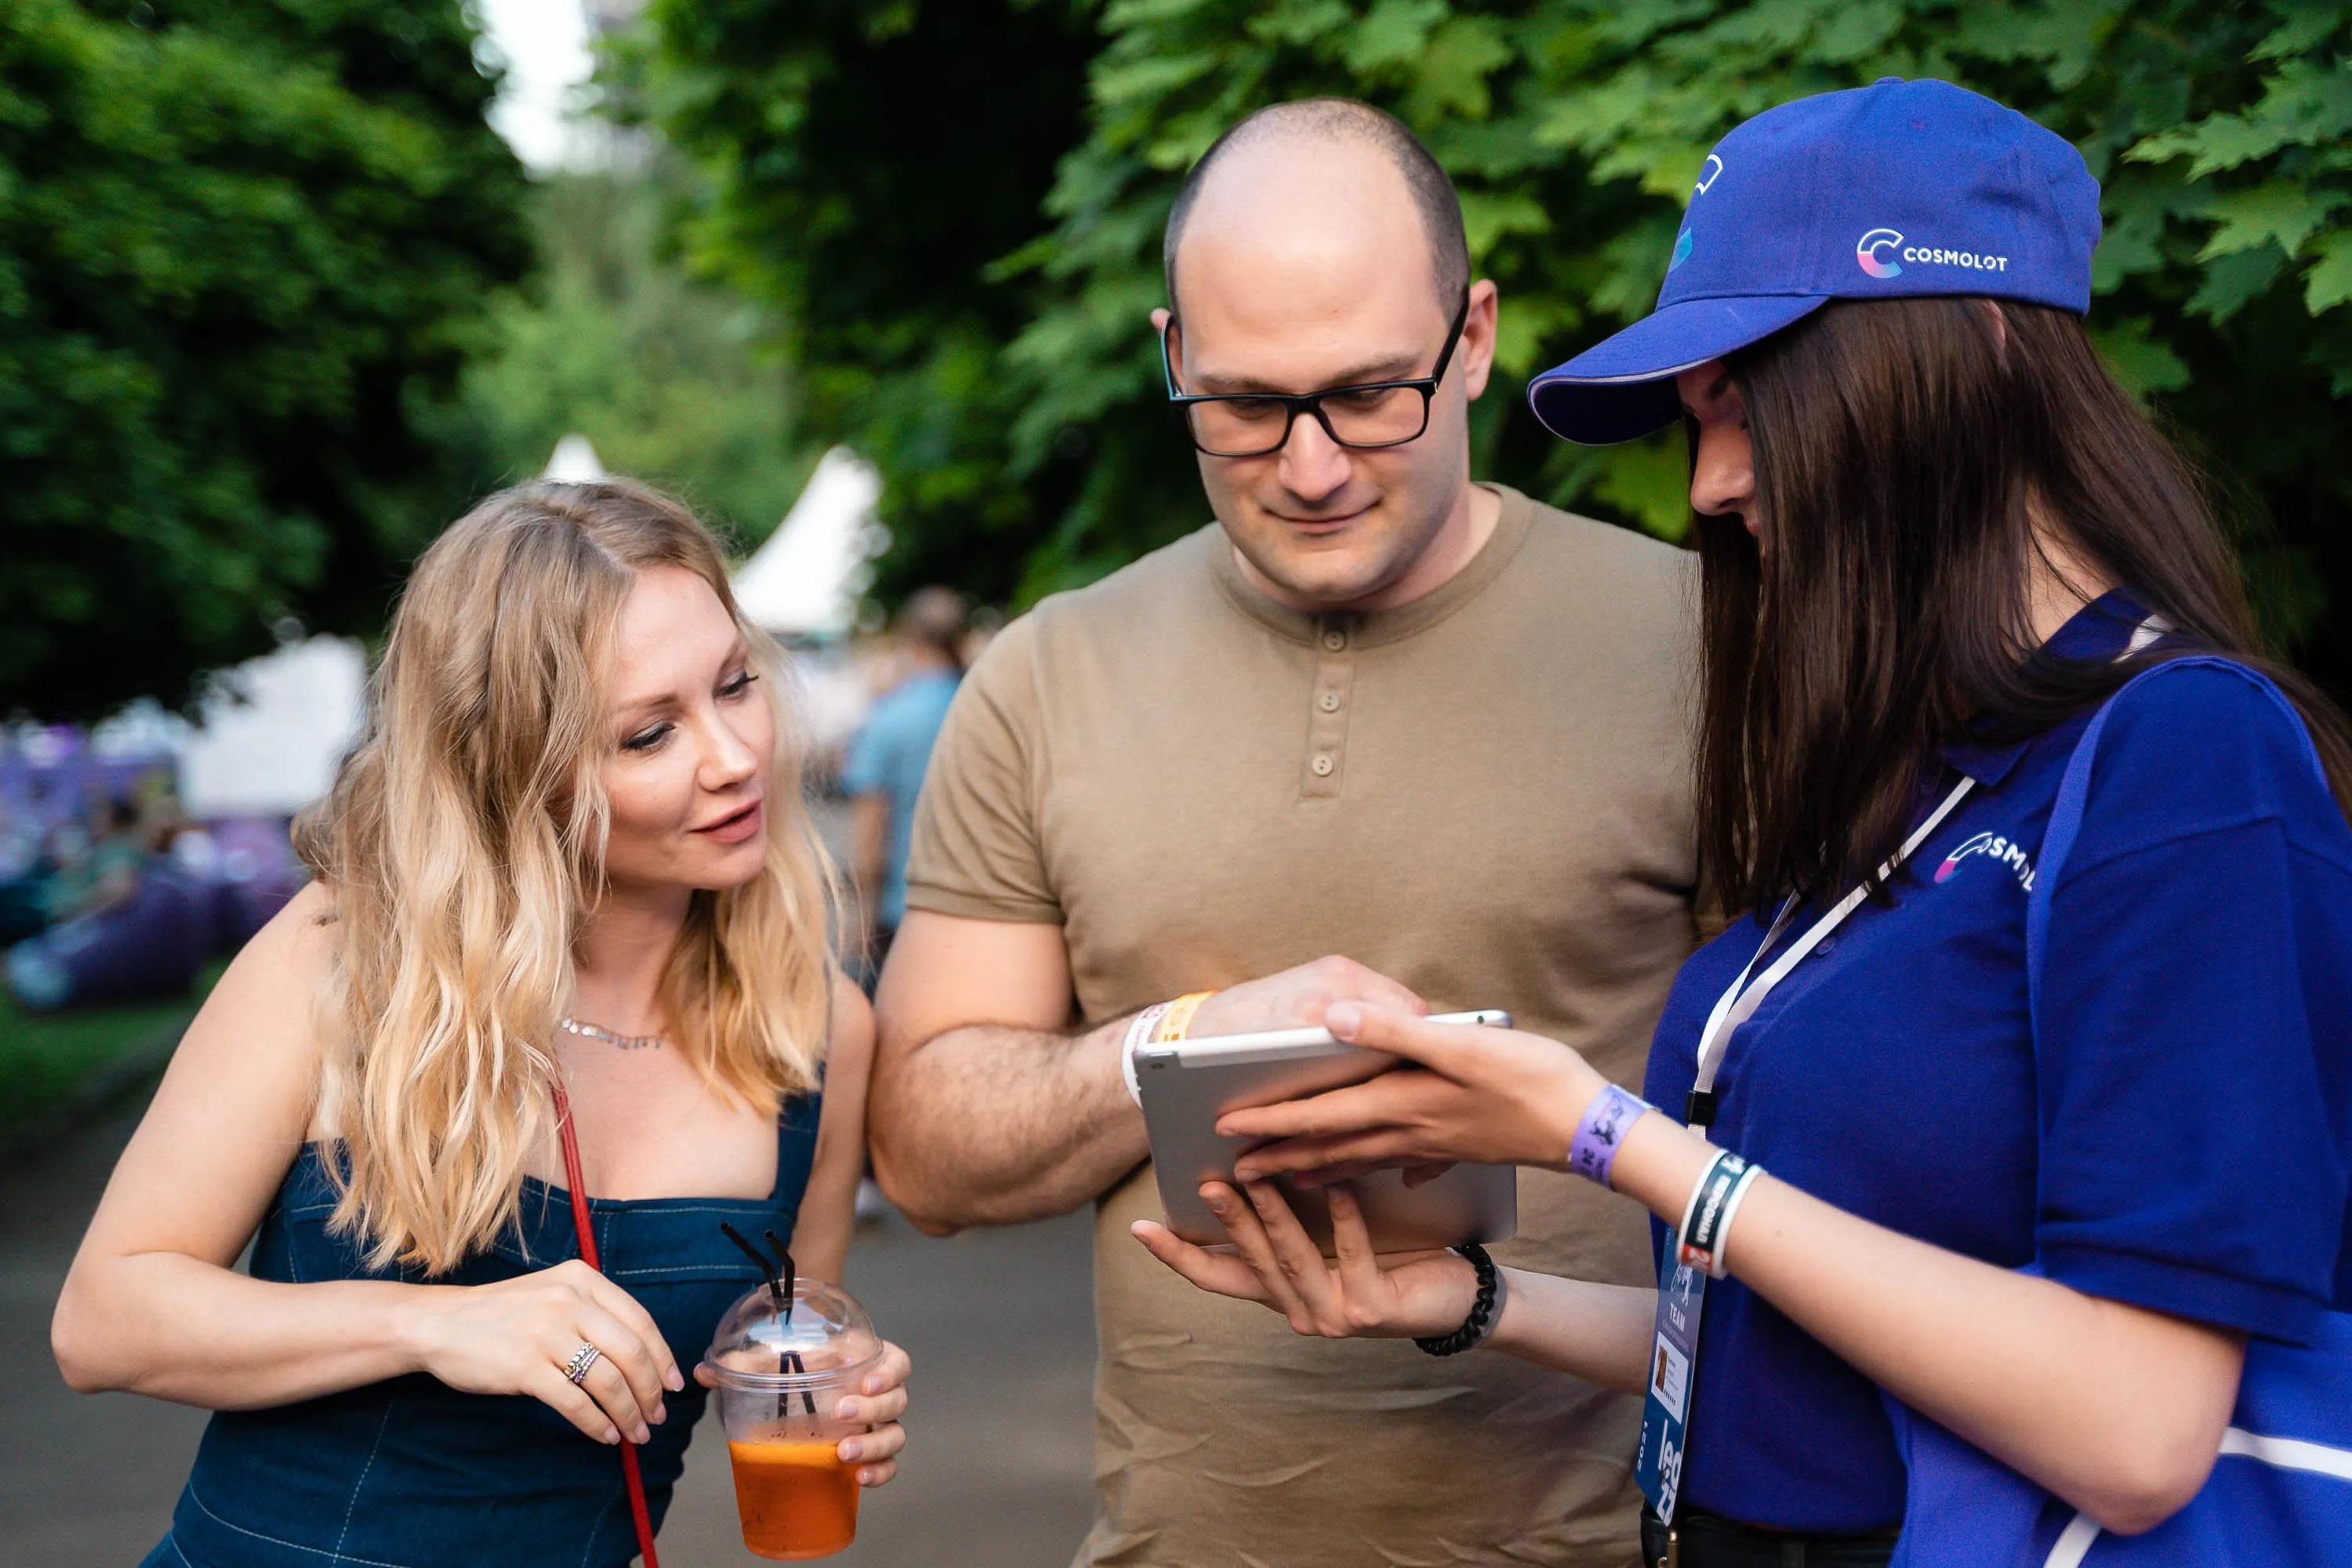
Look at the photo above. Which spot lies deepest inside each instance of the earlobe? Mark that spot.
(1484, 324)
(1999, 331)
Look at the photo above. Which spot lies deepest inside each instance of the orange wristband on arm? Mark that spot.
(1178, 1017)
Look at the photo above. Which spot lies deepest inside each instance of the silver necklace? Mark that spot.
(598, 1032)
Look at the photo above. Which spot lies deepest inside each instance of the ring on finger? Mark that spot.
(586, 1356)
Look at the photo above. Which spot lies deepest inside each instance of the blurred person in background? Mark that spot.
(117, 925)
(883, 771)
(1374, 709)
(107, 874)
(564, 878)
(24, 876)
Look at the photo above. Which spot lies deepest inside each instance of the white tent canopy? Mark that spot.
(805, 581)
(274, 730)
(574, 462)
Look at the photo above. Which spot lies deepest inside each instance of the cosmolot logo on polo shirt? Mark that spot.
(1882, 253)
(2001, 851)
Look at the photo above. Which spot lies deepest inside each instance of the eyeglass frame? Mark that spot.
(1297, 402)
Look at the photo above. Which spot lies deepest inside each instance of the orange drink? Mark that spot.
(786, 1358)
(797, 1500)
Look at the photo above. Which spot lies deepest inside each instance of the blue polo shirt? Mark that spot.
(2181, 1143)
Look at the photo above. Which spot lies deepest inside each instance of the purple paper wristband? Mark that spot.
(1606, 1120)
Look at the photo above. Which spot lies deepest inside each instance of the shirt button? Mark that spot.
(1334, 641)
(1323, 765)
(1329, 703)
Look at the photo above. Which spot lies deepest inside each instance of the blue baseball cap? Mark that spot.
(1891, 191)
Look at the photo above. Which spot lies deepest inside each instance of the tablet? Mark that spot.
(1188, 1084)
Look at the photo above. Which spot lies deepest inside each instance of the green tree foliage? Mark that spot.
(244, 245)
(675, 381)
(1574, 129)
(868, 163)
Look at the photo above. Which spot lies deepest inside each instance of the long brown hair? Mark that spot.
(462, 848)
(1903, 449)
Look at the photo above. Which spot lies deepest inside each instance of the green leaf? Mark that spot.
(2232, 282)
(1391, 34)
(2329, 282)
(1650, 481)
(2308, 24)
(2283, 212)
(2138, 361)
(1487, 218)
(1449, 78)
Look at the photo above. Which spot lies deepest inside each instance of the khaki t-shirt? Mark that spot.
(1484, 793)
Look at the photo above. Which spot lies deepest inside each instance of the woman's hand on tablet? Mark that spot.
(1410, 1294)
(1495, 1097)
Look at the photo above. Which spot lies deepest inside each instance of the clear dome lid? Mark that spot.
(823, 1336)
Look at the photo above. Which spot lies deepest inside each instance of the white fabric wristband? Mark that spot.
(1722, 1264)
(1139, 1034)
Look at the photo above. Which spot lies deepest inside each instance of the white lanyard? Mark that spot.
(1739, 1003)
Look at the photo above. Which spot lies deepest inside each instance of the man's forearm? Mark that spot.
(992, 1125)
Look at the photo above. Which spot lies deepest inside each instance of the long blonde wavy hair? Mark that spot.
(462, 846)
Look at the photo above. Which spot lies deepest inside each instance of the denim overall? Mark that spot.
(411, 1473)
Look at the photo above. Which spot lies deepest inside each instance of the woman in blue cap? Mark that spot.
(2037, 1014)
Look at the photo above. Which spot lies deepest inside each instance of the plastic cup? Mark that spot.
(780, 1379)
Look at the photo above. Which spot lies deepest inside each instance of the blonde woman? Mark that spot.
(568, 862)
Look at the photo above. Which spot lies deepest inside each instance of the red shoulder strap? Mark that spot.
(578, 1186)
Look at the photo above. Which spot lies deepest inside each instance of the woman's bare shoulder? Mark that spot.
(853, 1020)
(262, 1018)
(235, 1103)
(295, 948)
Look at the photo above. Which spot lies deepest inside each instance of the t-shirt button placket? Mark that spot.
(1327, 728)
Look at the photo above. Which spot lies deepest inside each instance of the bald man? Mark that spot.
(1377, 710)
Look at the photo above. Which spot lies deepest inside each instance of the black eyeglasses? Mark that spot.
(1253, 424)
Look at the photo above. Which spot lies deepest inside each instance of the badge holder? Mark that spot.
(1682, 1287)
(1665, 1403)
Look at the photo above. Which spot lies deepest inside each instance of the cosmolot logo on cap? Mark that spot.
(1876, 253)
(1709, 172)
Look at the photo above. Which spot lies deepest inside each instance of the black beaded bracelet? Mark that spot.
(1473, 1329)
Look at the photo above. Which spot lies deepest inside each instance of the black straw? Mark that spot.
(775, 1294)
(791, 1281)
(792, 1274)
(780, 1293)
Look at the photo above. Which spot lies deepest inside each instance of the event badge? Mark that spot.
(1673, 1359)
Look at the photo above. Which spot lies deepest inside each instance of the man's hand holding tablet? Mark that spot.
(1276, 1263)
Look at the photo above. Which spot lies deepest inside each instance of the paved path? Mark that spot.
(1000, 1324)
